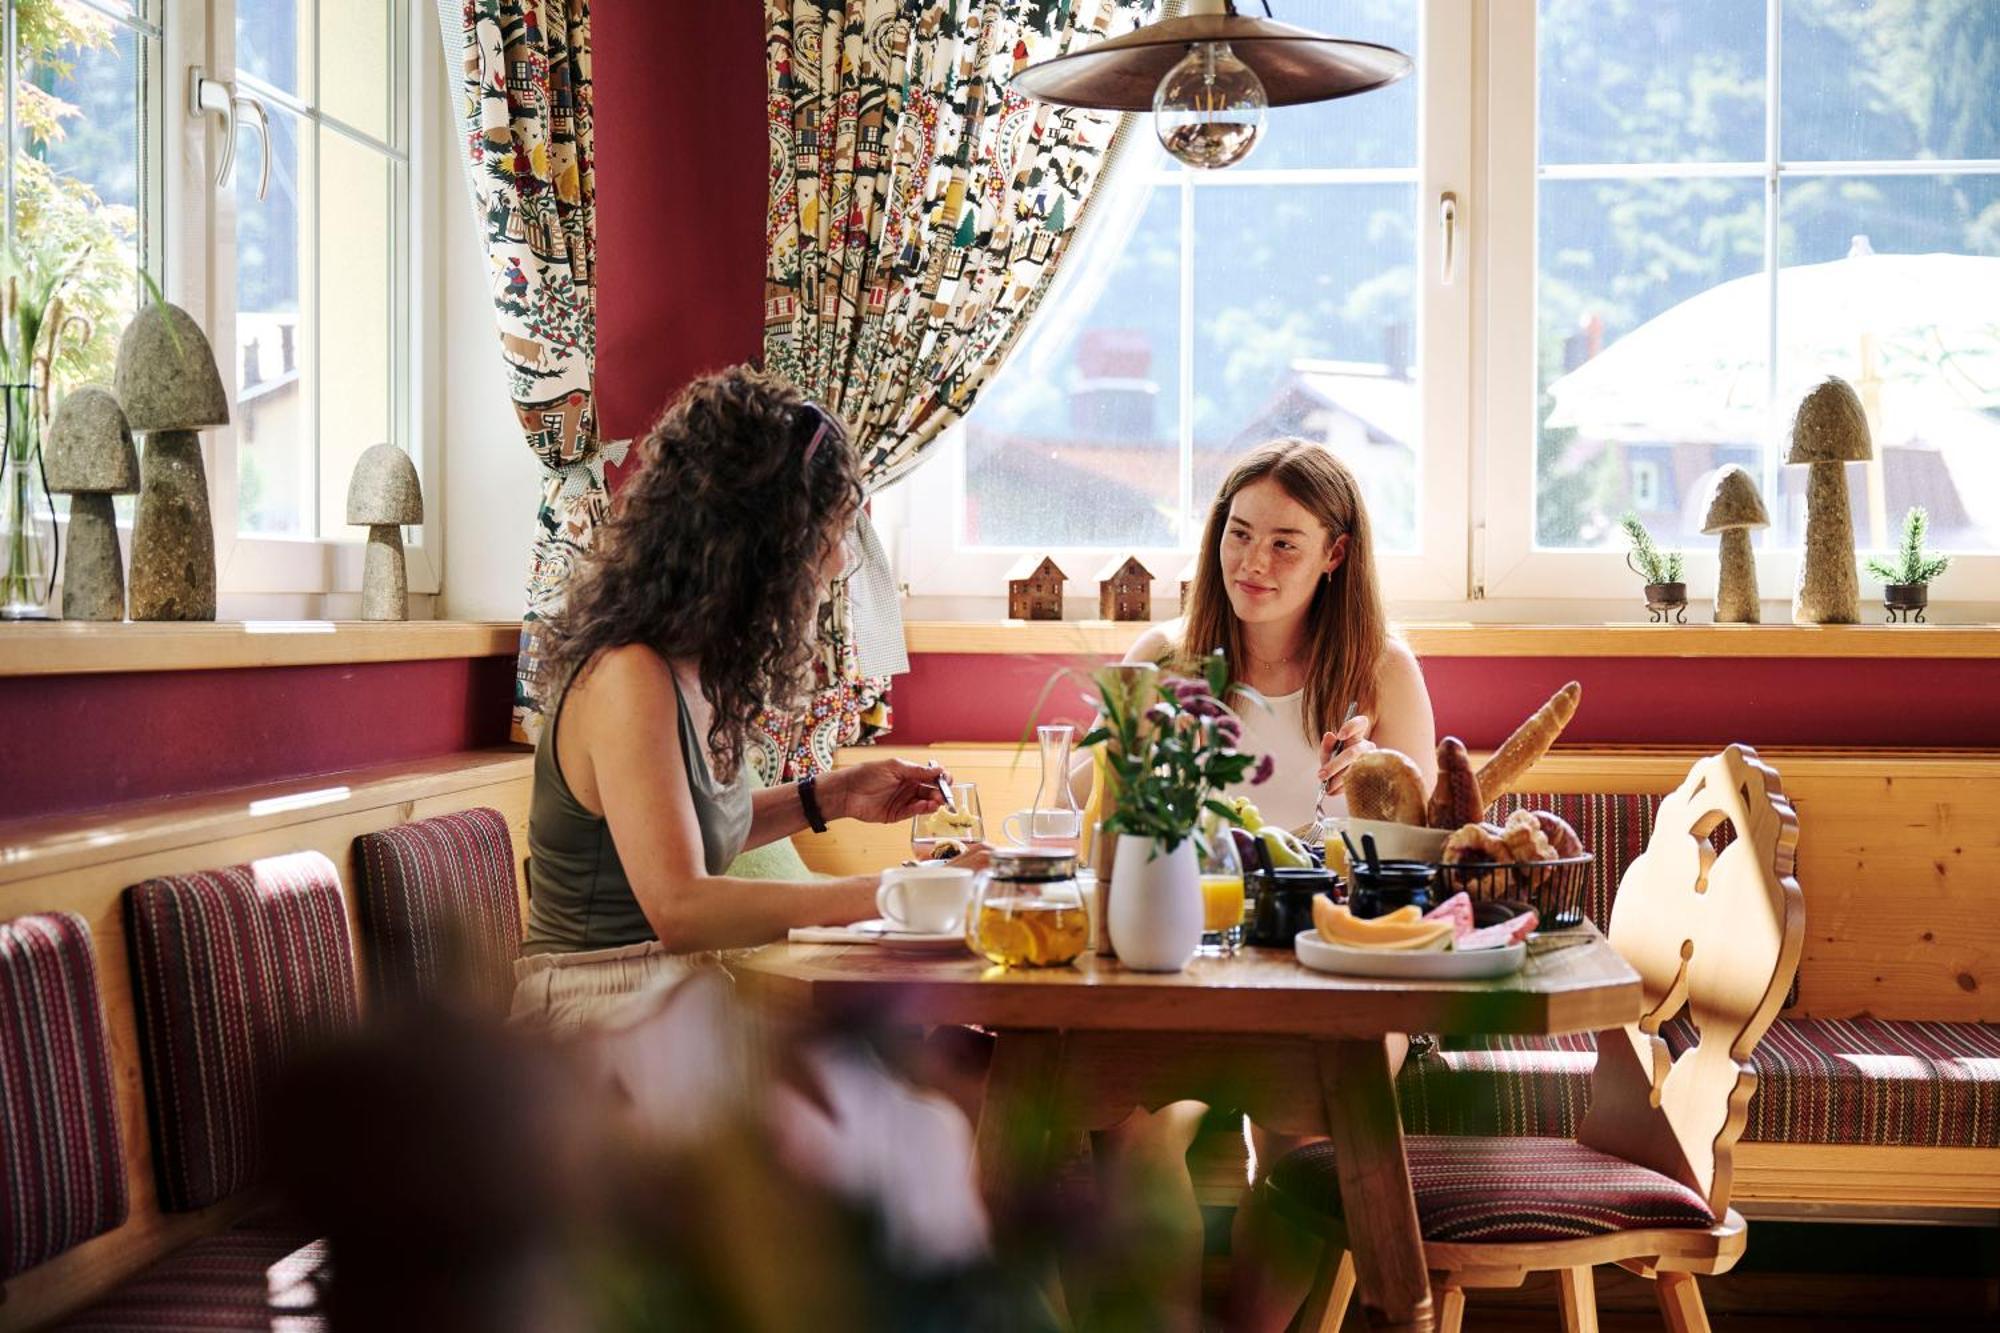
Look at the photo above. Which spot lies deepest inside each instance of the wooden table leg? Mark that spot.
(1359, 1091)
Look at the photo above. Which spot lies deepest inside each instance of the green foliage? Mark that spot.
(1653, 564)
(56, 215)
(1171, 745)
(1910, 564)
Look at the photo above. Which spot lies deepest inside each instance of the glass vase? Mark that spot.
(27, 515)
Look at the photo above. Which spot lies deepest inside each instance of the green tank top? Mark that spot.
(579, 897)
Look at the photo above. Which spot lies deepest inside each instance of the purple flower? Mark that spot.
(1189, 690)
(1260, 773)
(1161, 713)
(1228, 730)
(1206, 706)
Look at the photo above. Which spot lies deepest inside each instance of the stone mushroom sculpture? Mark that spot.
(168, 385)
(90, 458)
(384, 494)
(1829, 432)
(1735, 510)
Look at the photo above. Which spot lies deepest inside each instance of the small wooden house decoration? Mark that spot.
(1187, 580)
(1035, 589)
(1125, 590)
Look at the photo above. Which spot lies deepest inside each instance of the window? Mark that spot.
(1731, 202)
(306, 293)
(1202, 313)
(84, 171)
(1685, 215)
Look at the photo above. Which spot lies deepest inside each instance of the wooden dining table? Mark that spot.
(1300, 1052)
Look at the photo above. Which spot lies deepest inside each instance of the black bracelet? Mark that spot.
(809, 802)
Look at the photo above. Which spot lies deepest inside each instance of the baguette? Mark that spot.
(1530, 741)
(1386, 785)
(1455, 800)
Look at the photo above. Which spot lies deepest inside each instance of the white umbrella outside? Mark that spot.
(1917, 335)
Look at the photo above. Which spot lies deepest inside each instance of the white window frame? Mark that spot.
(1503, 523)
(200, 274)
(922, 512)
(1478, 140)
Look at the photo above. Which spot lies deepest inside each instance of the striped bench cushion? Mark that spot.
(61, 1162)
(264, 1278)
(234, 970)
(1896, 1083)
(1509, 1189)
(1889, 1083)
(439, 911)
(1520, 1086)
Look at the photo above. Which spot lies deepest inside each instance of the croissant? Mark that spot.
(1523, 835)
(1559, 833)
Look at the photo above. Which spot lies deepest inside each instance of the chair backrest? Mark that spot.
(439, 911)
(1716, 932)
(235, 970)
(60, 1154)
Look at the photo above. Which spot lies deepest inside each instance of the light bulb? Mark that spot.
(1209, 109)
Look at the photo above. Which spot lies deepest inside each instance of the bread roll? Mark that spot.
(1455, 800)
(1386, 785)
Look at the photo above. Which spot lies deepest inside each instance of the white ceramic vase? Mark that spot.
(1155, 910)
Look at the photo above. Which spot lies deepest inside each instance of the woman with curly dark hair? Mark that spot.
(694, 613)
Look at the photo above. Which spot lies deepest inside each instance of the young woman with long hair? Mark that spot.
(694, 613)
(1285, 586)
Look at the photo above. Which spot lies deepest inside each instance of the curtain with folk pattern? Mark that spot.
(918, 209)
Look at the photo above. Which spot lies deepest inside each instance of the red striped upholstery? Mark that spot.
(61, 1164)
(1613, 825)
(260, 1278)
(234, 970)
(1866, 1080)
(1521, 1086)
(438, 908)
(1509, 1189)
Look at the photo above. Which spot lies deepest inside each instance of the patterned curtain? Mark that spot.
(525, 118)
(918, 209)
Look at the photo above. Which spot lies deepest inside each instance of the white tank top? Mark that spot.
(1287, 799)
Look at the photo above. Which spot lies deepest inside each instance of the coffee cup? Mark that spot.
(925, 900)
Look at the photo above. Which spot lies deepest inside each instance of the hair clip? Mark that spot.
(819, 432)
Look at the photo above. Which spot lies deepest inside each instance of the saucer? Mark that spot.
(888, 935)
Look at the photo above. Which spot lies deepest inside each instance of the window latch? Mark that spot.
(216, 97)
(1448, 237)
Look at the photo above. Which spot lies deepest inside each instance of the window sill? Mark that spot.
(1089, 638)
(45, 648)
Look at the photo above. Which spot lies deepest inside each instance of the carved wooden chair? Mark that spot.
(1646, 1182)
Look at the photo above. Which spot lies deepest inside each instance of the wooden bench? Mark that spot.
(84, 864)
(1899, 860)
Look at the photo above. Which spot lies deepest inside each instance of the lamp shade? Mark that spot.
(1294, 64)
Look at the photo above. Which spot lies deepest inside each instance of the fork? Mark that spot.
(1319, 806)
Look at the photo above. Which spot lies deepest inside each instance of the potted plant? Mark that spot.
(1169, 744)
(1906, 579)
(1666, 595)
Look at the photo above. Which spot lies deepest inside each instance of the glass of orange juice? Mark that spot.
(1221, 891)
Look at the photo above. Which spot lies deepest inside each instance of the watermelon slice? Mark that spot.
(1500, 936)
(1456, 909)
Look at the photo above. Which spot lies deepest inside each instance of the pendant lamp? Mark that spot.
(1209, 75)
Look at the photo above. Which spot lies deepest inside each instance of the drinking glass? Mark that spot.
(961, 823)
(1221, 890)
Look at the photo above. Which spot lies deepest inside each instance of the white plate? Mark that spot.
(891, 936)
(1435, 965)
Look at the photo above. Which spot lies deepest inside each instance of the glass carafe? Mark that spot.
(1055, 820)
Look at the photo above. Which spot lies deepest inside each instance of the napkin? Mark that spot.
(830, 935)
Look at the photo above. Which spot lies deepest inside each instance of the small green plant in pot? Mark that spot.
(1666, 594)
(1906, 578)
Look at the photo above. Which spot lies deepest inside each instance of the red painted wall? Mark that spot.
(1886, 702)
(682, 167)
(78, 742)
